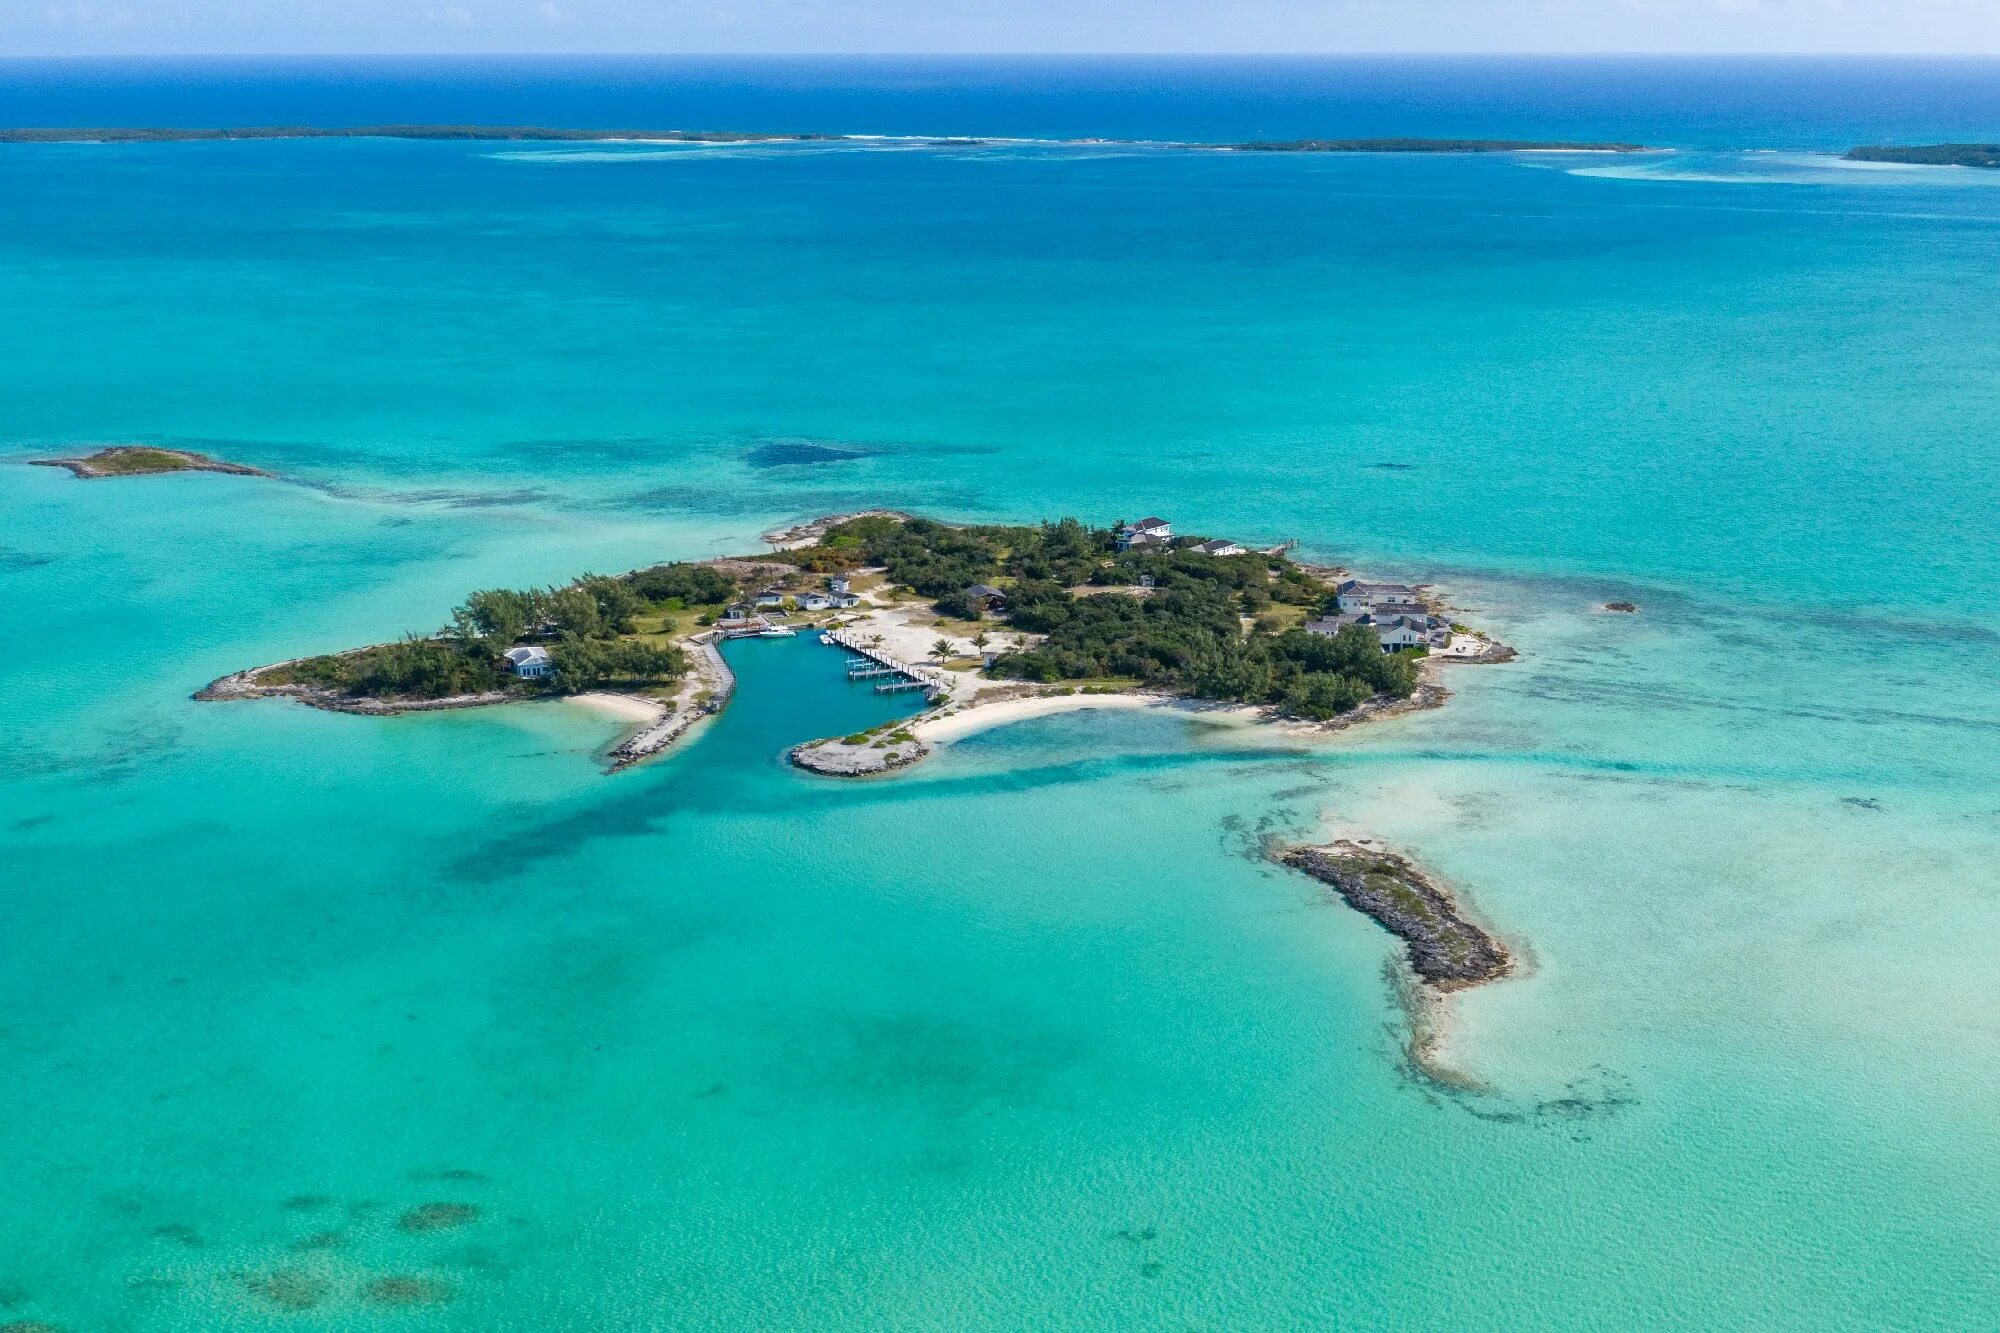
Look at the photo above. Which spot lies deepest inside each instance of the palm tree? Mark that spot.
(981, 639)
(941, 650)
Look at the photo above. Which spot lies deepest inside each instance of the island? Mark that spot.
(1930, 155)
(1438, 146)
(1447, 951)
(138, 460)
(528, 133)
(984, 622)
(559, 134)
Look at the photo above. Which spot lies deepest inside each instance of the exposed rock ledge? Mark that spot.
(140, 460)
(862, 755)
(1447, 951)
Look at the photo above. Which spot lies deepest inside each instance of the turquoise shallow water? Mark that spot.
(1028, 1037)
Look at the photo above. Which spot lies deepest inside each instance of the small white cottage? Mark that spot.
(530, 663)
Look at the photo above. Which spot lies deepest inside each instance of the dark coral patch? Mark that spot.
(288, 1290)
(399, 1291)
(798, 453)
(437, 1217)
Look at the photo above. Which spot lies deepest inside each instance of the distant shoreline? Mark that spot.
(1982, 155)
(553, 134)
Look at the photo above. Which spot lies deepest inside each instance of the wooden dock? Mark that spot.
(935, 684)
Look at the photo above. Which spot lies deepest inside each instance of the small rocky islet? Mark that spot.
(1447, 951)
(141, 460)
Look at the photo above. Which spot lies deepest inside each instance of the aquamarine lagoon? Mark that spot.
(314, 1021)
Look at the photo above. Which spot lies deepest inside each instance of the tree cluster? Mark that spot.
(688, 585)
(1186, 635)
(583, 664)
(415, 668)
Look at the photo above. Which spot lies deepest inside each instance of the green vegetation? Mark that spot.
(1931, 155)
(125, 462)
(591, 628)
(416, 668)
(1169, 619)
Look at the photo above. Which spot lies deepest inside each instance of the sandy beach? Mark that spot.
(953, 725)
(628, 707)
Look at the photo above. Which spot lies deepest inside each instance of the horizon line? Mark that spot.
(1001, 55)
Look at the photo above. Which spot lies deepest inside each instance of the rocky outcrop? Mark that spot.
(1447, 951)
(860, 756)
(806, 534)
(140, 460)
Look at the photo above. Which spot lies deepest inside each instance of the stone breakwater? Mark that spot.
(1447, 951)
(706, 694)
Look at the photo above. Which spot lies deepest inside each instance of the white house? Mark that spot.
(1332, 625)
(530, 663)
(1400, 632)
(1354, 595)
(842, 600)
(814, 601)
(1146, 532)
(839, 583)
(770, 597)
(1393, 632)
(1220, 548)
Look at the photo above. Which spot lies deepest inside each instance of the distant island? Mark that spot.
(1436, 146)
(137, 460)
(1930, 155)
(549, 134)
(533, 133)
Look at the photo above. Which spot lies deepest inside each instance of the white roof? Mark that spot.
(524, 655)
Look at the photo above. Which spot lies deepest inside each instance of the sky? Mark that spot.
(85, 27)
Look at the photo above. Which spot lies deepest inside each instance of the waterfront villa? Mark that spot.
(1394, 632)
(814, 601)
(1353, 595)
(1146, 532)
(770, 597)
(1220, 548)
(530, 663)
(841, 600)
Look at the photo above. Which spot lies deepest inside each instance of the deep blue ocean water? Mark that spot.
(1029, 1037)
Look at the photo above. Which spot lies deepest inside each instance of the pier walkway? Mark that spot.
(935, 684)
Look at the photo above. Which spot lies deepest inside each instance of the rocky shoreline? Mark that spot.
(1447, 951)
(145, 460)
(845, 757)
(805, 534)
(240, 685)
